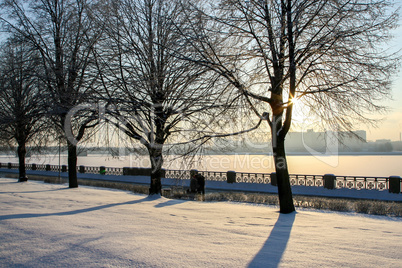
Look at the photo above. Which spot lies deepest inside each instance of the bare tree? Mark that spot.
(326, 54)
(154, 97)
(21, 104)
(64, 34)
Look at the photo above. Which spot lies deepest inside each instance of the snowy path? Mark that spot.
(45, 225)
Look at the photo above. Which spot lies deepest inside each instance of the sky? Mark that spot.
(390, 126)
(49, 225)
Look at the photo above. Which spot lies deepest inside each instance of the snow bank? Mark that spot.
(54, 226)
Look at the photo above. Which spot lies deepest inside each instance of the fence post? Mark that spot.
(394, 184)
(329, 181)
(135, 171)
(82, 169)
(63, 168)
(274, 180)
(47, 167)
(33, 167)
(9, 166)
(231, 176)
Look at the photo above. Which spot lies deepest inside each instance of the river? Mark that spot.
(350, 165)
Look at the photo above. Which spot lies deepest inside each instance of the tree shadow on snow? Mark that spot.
(170, 202)
(72, 212)
(8, 182)
(32, 192)
(272, 251)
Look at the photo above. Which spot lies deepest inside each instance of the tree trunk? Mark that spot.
(282, 174)
(281, 167)
(21, 151)
(156, 171)
(72, 165)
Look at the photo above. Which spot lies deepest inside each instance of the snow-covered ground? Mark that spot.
(46, 225)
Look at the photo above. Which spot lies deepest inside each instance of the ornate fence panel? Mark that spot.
(28, 166)
(55, 168)
(253, 177)
(92, 170)
(114, 171)
(370, 183)
(213, 176)
(177, 174)
(306, 180)
(41, 167)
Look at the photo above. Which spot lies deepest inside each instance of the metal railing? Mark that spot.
(335, 182)
(370, 183)
(245, 177)
(306, 180)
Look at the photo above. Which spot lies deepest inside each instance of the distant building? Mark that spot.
(397, 146)
(381, 145)
(320, 141)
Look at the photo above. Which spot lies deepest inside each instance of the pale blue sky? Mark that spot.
(391, 126)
